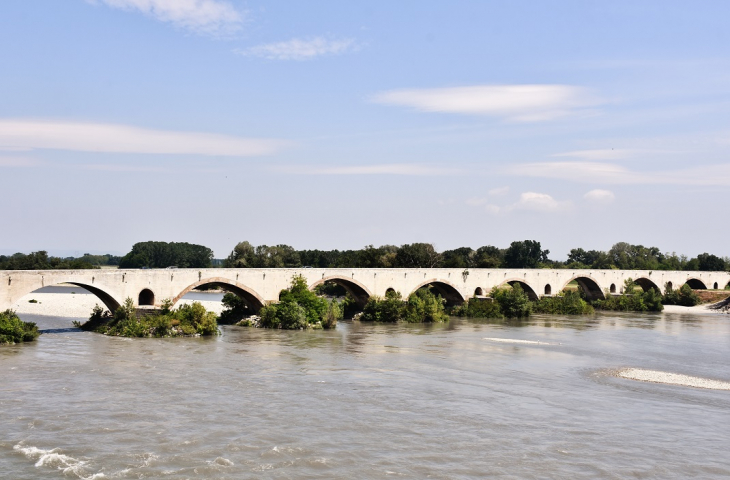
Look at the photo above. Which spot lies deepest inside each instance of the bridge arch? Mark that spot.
(252, 299)
(590, 287)
(696, 284)
(106, 298)
(548, 289)
(525, 286)
(478, 292)
(444, 288)
(357, 290)
(647, 284)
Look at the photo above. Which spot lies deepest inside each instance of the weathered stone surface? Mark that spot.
(261, 286)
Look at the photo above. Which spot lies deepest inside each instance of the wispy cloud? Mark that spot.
(300, 48)
(600, 196)
(389, 169)
(608, 173)
(520, 103)
(540, 202)
(21, 162)
(601, 154)
(111, 138)
(209, 17)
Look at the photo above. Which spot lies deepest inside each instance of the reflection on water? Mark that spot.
(370, 401)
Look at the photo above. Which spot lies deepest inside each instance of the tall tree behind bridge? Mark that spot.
(163, 255)
(525, 254)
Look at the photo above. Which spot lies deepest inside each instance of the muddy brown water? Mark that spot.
(371, 401)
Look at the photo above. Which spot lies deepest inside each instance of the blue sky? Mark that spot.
(329, 124)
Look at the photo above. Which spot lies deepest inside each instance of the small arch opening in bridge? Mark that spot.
(588, 286)
(647, 284)
(146, 298)
(668, 286)
(479, 292)
(696, 284)
(612, 289)
(548, 289)
(531, 294)
(390, 291)
(714, 287)
(447, 291)
(351, 287)
(727, 287)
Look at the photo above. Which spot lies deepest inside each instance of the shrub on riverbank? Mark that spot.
(421, 307)
(685, 297)
(187, 320)
(568, 302)
(14, 330)
(509, 301)
(478, 308)
(299, 308)
(632, 300)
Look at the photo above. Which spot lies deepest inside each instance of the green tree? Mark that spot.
(710, 263)
(525, 254)
(417, 255)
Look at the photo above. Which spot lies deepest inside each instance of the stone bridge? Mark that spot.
(261, 286)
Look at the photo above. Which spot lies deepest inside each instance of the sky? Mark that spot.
(330, 124)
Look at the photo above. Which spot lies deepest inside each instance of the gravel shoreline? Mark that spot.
(667, 378)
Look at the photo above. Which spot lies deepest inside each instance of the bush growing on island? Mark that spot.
(421, 307)
(187, 320)
(513, 302)
(568, 302)
(685, 296)
(14, 330)
(300, 308)
(478, 308)
(632, 300)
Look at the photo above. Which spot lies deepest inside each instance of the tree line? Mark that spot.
(520, 254)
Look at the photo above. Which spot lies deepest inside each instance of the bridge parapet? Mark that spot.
(261, 286)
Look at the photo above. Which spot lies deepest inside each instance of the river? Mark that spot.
(371, 401)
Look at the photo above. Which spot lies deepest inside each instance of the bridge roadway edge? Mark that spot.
(267, 283)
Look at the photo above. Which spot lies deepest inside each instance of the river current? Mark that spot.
(371, 401)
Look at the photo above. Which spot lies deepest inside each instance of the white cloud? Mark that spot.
(600, 196)
(607, 173)
(539, 202)
(18, 162)
(212, 17)
(389, 169)
(499, 191)
(111, 138)
(493, 209)
(523, 103)
(300, 48)
(605, 154)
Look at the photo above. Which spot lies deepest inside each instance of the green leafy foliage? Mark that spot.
(685, 296)
(478, 308)
(632, 300)
(163, 255)
(41, 261)
(187, 320)
(14, 330)
(422, 306)
(513, 302)
(300, 308)
(525, 254)
(569, 302)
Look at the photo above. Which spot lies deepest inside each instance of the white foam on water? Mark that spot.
(515, 340)
(224, 462)
(54, 458)
(667, 378)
